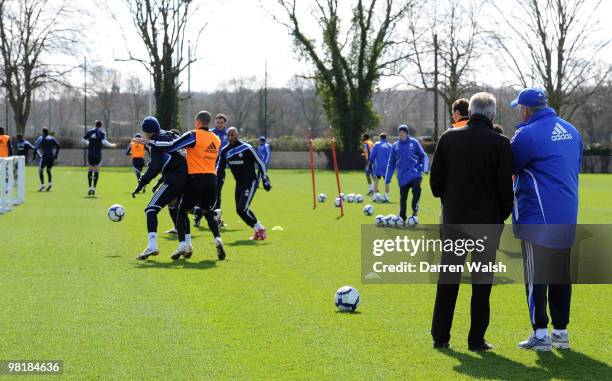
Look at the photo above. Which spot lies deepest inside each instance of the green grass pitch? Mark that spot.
(72, 290)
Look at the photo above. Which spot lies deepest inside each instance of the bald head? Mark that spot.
(233, 135)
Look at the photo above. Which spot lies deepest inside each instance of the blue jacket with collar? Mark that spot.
(547, 155)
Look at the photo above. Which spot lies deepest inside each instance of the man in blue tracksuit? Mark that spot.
(221, 132)
(264, 151)
(547, 153)
(379, 158)
(408, 157)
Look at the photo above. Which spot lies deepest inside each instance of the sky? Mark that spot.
(239, 38)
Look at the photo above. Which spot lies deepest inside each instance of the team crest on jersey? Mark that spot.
(240, 154)
(411, 145)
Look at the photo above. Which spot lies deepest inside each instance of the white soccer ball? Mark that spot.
(397, 221)
(380, 220)
(350, 197)
(390, 219)
(368, 210)
(412, 221)
(343, 196)
(358, 198)
(377, 197)
(322, 197)
(337, 202)
(346, 299)
(116, 213)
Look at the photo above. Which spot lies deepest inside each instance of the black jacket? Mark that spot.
(172, 166)
(472, 174)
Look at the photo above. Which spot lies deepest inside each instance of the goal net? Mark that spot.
(12, 182)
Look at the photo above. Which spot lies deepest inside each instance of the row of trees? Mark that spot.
(291, 110)
(436, 47)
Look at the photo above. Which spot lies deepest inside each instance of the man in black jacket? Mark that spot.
(472, 174)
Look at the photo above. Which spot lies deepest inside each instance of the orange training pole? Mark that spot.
(312, 169)
(333, 148)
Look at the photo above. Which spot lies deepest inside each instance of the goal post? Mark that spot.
(12, 182)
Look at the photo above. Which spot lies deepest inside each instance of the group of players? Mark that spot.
(192, 169)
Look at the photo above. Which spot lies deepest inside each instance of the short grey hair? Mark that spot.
(483, 103)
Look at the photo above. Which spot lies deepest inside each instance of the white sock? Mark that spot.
(371, 187)
(218, 241)
(386, 196)
(559, 331)
(187, 239)
(153, 241)
(181, 245)
(541, 333)
(258, 226)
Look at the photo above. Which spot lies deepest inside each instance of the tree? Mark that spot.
(552, 45)
(237, 97)
(29, 31)
(458, 36)
(349, 62)
(137, 99)
(162, 26)
(304, 93)
(105, 86)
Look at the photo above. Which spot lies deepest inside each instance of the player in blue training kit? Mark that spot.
(379, 158)
(173, 168)
(50, 148)
(408, 157)
(95, 139)
(23, 147)
(248, 169)
(221, 132)
(264, 151)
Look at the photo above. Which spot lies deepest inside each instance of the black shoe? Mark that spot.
(370, 193)
(481, 347)
(220, 252)
(441, 345)
(90, 193)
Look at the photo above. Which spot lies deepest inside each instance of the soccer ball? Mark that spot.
(350, 197)
(322, 197)
(396, 221)
(390, 219)
(380, 220)
(378, 197)
(346, 299)
(368, 210)
(343, 196)
(337, 202)
(358, 198)
(116, 213)
(412, 221)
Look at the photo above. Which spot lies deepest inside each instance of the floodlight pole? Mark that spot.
(84, 108)
(435, 89)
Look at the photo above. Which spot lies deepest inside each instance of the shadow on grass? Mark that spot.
(248, 242)
(566, 365)
(180, 264)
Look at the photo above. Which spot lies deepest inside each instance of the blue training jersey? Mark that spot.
(380, 157)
